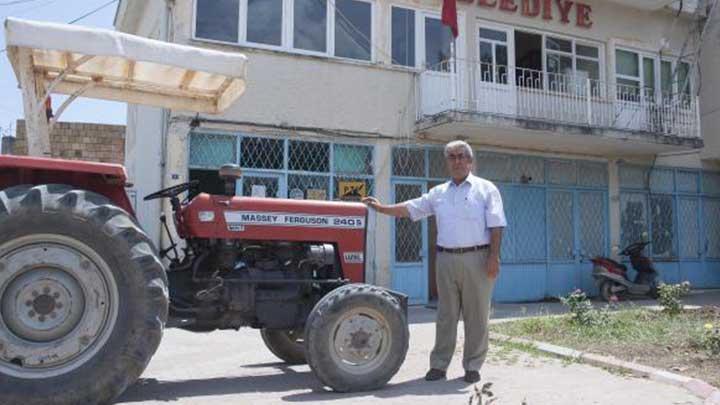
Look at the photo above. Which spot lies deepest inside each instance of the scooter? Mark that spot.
(612, 279)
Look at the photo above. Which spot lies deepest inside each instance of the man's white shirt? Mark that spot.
(464, 213)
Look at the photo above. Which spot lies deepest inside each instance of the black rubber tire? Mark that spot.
(319, 335)
(606, 290)
(139, 275)
(284, 345)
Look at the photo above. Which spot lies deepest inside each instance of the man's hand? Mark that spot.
(372, 202)
(493, 266)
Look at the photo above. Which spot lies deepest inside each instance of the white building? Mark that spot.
(583, 113)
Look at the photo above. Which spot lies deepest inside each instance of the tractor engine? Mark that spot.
(234, 283)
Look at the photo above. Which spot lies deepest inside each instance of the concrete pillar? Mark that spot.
(176, 166)
(614, 207)
(380, 238)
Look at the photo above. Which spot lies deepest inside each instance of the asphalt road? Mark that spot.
(228, 367)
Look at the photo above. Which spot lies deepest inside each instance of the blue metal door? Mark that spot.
(592, 234)
(409, 248)
(711, 249)
(562, 275)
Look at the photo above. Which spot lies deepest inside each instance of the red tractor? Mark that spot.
(85, 294)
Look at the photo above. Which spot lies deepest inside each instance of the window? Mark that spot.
(663, 226)
(353, 29)
(310, 25)
(627, 70)
(403, 36)
(438, 40)
(265, 21)
(683, 75)
(315, 26)
(217, 20)
(493, 56)
(645, 77)
(666, 83)
(309, 156)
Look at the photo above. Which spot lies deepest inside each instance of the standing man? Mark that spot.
(470, 220)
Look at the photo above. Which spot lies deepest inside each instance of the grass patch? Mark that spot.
(648, 337)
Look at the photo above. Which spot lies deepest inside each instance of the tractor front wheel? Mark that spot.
(356, 338)
(83, 297)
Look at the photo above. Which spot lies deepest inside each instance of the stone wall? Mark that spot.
(80, 141)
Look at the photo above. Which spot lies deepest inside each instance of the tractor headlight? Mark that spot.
(206, 216)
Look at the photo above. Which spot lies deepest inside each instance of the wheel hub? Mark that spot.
(361, 341)
(56, 305)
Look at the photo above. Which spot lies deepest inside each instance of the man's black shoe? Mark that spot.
(472, 376)
(435, 374)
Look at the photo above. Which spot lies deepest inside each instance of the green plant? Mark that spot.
(710, 339)
(580, 307)
(669, 297)
(478, 397)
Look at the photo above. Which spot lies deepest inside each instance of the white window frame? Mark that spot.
(509, 44)
(288, 26)
(416, 11)
(459, 42)
(657, 63)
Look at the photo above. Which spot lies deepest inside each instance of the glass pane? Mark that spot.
(558, 44)
(626, 63)
(493, 34)
(586, 50)
(559, 69)
(649, 75)
(633, 218)
(212, 151)
(501, 63)
(309, 156)
(217, 19)
(562, 244)
(588, 69)
(353, 33)
(403, 36)
(663, 229)
(408, 162)
(264, 22)
(310, 26)
(262, 153)
(486, 62)
(408, 234)
(683, 72)
(355, 159)
(437, 45)
(666, 79)
(258, 186)
(592, 223)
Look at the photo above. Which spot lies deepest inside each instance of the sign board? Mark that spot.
(352, 190)
(316, 194)
(258, 190)
(562, 10)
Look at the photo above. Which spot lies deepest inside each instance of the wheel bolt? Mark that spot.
(31, 314)
(53, 315)
(58, 305)
(85, 264)
(41, 318)
(28, 303)
(35, 293)
(56, 295)
(46, 290)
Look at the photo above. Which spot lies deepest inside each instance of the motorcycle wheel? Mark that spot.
(606, 291)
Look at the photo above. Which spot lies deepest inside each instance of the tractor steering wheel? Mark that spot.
(637, 246)
(173, 191)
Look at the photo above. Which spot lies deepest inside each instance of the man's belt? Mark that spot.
(463, 249)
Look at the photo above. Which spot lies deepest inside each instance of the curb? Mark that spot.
(697, 387)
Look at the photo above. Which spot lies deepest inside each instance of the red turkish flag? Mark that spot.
(449, 16)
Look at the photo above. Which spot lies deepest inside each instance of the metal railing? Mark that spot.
(473, 86)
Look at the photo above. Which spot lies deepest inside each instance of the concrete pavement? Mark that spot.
(235, 368)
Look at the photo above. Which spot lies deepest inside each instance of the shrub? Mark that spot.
(710, 340)
(669, 297)
(582, 312)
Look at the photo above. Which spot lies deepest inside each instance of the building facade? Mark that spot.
(584, 114)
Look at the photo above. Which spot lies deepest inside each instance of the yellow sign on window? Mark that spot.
(352, 190)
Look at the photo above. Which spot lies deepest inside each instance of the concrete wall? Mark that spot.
(80, 141)
(710, 90)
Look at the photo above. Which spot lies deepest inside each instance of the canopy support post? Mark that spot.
(36, 121)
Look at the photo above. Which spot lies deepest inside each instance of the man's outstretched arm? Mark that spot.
(396, 210)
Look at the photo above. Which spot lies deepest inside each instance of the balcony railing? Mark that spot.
(570, 99)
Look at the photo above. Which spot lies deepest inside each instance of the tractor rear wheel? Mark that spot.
(356, 338)
(287, 345)
(83, 297)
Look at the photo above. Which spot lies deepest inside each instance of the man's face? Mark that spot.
(459, 164)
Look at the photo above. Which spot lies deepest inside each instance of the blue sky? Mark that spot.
(81, 110)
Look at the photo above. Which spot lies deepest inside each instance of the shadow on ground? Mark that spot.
(289, 380)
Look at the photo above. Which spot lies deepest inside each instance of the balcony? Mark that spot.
(509, 106)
